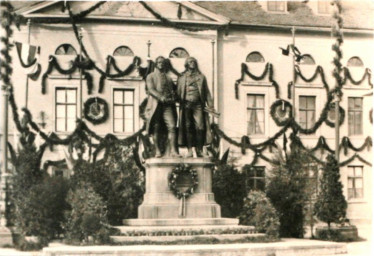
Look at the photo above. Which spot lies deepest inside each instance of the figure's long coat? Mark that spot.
(206, 100)
(154, 88)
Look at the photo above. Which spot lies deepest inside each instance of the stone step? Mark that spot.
(285, 247)
(228, 238)
(181, 222)
(184, 230)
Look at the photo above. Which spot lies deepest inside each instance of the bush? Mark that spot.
(287, 190)
(259, 212)
(118, 181)
(331, 205)
(229, 190)
(87, 218)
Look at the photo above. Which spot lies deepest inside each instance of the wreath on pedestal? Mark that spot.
(330, 120)
(281, 112)
(173, 177)
(96, 110)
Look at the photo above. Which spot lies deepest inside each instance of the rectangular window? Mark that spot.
(255, 114)
(307, 111)
(323, 7)
(276, 6)
(123, 110)
(355, 182)
(66, 109)
(354, 115)
(256, 178)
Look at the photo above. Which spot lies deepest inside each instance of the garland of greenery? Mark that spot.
(245, 71)
(349, 160)
(168, 23)
(371, 116)
(289, 93)
(337, 33)
(92, 118)
(59, 163)
(331, 123)
(287, 107)
(76, 64)
(24, 65)
(319, 70)
(348, 76)
(321, 144)
(173, 177)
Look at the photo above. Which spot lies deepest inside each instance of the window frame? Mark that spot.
(77, 106)
(255, 178)
(256, 108)
(253, 53)
(123, 46)
(61, 45)
(355, 111)
(355, 66)
(354, 178)
(123, 105)
(277, 2)
(307, 110)
(178, 48)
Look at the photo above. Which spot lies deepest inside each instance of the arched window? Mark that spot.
(179, 53)
(65, 49)
(123, 51)
(254, 57)
(307, 59)
(355, 62)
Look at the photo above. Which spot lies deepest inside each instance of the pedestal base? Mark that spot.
(5, 237)
(181, 222)
(160, 203)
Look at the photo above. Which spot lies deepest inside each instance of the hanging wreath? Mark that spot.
(179, 171)
(96, 110)
(330, 120)
(281, 112)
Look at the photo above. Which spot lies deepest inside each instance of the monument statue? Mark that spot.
(160, 110)
(195, 103)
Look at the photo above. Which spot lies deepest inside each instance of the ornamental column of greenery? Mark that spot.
(331, 205)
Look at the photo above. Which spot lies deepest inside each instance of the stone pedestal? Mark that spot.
(161, 207)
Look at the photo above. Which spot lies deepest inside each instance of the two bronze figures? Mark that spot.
(195, 102)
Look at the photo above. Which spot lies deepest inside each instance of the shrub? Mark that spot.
(331, 205)
(87, 217)
(287, 190)
(259, 212)
(229, 189)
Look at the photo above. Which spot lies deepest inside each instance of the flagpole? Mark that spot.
(293, 78)
(27, 75)
(80, 73)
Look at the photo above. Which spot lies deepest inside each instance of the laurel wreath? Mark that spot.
(281, 112)
(96, 110)
(331, 123)
(173, 176)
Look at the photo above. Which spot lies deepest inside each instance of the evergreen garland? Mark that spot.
(347, 76)
(75, 65)
(331, 123)
(87, 109)
(173, 177)
(245, 71)
(287, 108)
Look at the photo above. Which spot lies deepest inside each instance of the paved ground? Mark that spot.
(362, 248)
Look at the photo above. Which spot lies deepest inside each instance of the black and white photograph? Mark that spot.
(186, 128)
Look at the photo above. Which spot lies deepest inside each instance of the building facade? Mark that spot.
(237, 46)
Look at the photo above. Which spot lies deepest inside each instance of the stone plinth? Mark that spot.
(160, 203)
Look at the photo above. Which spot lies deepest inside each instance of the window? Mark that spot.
(255, 57)
(255, 114)
(355, 182)
(255, 178)
(123, 110)
(179, 53)
(354, 115)
(355, 62)
(123, 51)
(66, 109)
(276, 6)
(307, 60)
(307, 111)
(65, 49)
(323, 7)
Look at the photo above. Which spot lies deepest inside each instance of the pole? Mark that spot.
(213, 73)
(80, 73)
(4, 156)
(27, 76)
(337, 131)
(149, 49)
(293, 77)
